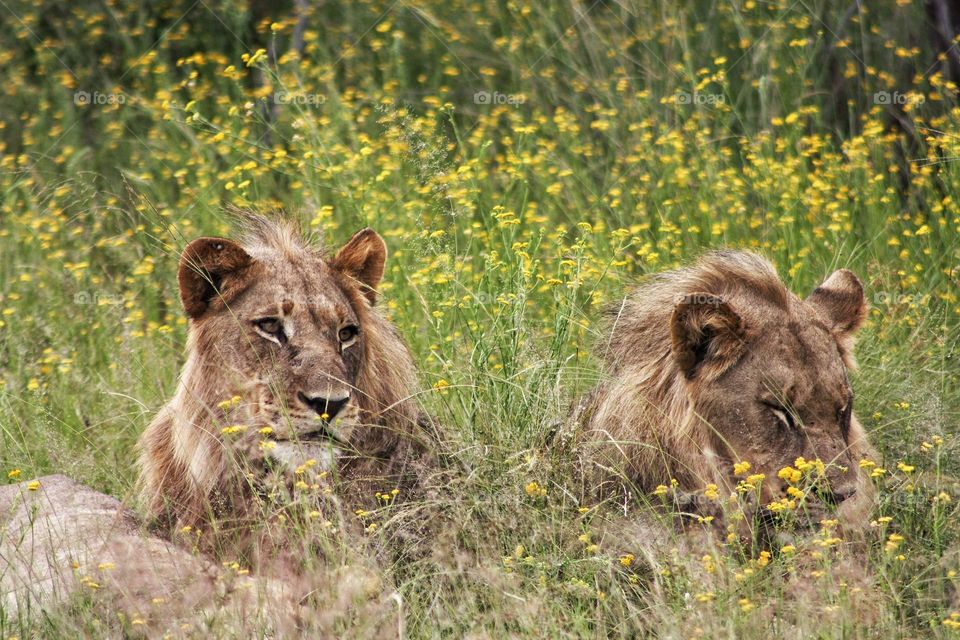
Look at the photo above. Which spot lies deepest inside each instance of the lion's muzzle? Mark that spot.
(327, 405)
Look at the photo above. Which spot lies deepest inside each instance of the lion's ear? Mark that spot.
(363, 259)
(707, 335)
(840, 302)
(210, 269)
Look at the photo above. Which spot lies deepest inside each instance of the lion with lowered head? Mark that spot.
(718, 363)
(289, 361)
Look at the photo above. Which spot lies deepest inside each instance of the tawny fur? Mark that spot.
(187, 475)
(645, 425)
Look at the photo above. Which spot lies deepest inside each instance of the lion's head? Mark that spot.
(719, 363)
(285, 348)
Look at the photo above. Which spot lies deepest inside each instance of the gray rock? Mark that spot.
(62, 540)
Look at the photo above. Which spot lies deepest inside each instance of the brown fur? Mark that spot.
(189, 473)
(699, 363)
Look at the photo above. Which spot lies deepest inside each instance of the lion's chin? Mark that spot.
(297, 442)
(295, 454)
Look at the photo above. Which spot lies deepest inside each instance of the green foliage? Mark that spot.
(525, 163)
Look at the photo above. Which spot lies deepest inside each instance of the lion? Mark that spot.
(289, 363)
(717, 364)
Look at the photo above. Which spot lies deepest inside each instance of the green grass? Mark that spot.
(510, 227)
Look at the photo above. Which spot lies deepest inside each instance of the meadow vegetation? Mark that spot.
(525, 162)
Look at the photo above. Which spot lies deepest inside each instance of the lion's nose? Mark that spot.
(328, 407)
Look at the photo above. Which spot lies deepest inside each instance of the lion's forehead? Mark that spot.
(297, 289)
(801, 357)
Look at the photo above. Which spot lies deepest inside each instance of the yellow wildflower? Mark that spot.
(711, 493)
(534, 490)
(789, 474)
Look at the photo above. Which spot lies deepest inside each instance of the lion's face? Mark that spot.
(288, 328)
(772, 387)
(787, 397)
(304, 354)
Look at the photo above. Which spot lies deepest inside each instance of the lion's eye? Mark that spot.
(845, 417)
(348, 334)
(270, 325)
(785, 417)
(270, 328)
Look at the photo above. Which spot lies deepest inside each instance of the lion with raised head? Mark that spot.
(287, 358)
(718, 363)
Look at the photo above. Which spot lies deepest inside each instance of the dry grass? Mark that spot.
(525, 164)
